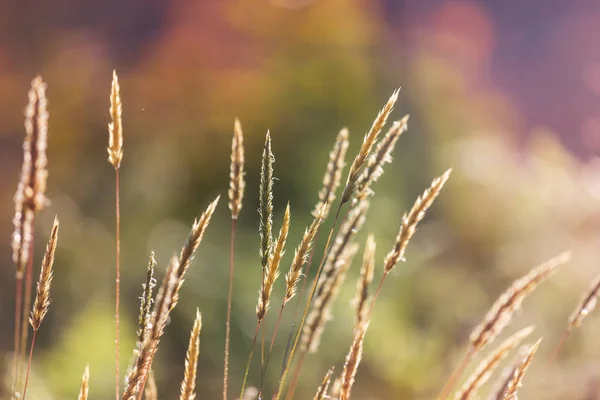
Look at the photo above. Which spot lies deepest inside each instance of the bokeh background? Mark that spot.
(506, 93)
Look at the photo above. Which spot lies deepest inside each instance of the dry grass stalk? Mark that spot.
(351, 226)
(365, 149)
(352, 361)
(188, 386)
(30, 196)
(266, 205)
(517, 379)
(272, 271)
(503, 309)
(322, 390)
(160, 314)
(187, 252)
(382, 155)
(151, 390)
(586, 305)
(361, 299)
(42, 298)
(336, 387)
(146, 300)
(236, 174)
(412, 219)
(487, 366)
(321, 307)
(85, 384)
(333, 174)
(301, 255)
(115, 127)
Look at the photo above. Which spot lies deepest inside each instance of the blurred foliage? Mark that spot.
(518, 194)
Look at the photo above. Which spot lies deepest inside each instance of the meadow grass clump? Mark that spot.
(341, 246)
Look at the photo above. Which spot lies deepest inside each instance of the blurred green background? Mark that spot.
(506, 93)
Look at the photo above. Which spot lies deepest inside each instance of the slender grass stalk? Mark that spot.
(228, 321)
(188, 386)
(42, 298)
(313, 289)
(236, 195)
(29, 198)
(115, 155)
(258, 324)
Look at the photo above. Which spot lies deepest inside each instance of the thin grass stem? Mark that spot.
(229, 301)
(29, 363)
(456, 374)
(117, 281)
(258, 324)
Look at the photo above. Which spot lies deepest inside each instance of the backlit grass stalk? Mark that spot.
(188, 386)
(369, 141)
(85, 384)
(502, 311)
(322, 390)
(115, 155)
(517, 379)
(42, 298)
(352, 361)
(271, 275)
(293, 276)
(29, 199)
(408, 228)
(236, 195)
(486, 367)
(586, 305)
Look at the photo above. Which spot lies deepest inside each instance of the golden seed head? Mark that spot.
(115, 127)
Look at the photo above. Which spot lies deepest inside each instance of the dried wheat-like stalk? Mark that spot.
(517, 379)
(333, 174)
(382, 155)
(115, 127)
(486, 367)
(503, 309)
(266, 205)
(321, 307)
(187, 252)
(236, 174)
(160, 314)
(352, 361)
(30, 196)
(85, 384)
(188, 386)
(361, 299)
(42, 298)
(322, 390)
(301, 255)
(351, 226)
(586, 305)
(272, 271)
(366, 147)
(412, 219)
(146, 300)
(151, 390)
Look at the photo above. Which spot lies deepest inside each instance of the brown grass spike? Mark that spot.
(236, 195)
(188, 386)
(115, 155)
(382, 155)
(333, 174)
(29, 198)
(352, 361)
(366, 147)
(486, 367)
(503, 309)
(412, 219)
(322, 390)
(517, 379)
(272, 271)
(42, 298)
(85, 384)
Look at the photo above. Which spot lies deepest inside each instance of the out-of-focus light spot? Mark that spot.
(480, 158)
(465, 31)
(292, 4)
